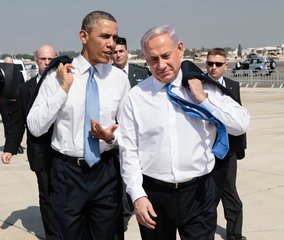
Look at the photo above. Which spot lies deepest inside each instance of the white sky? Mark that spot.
(26, 25)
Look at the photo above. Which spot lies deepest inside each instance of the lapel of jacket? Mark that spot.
(31, 85)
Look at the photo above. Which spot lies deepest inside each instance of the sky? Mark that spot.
(25, 25)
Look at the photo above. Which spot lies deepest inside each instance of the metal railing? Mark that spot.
(261, 78)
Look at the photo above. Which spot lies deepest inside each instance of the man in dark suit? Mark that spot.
(8, 96)
(135, 72)
(225, 171)
(40, 165)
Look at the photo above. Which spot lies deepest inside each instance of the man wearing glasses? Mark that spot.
(225, 171)
(14, 137)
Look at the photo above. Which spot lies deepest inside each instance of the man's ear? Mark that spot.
(83, 36)
(181, 49)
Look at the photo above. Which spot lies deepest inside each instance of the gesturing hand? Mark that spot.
(106, 134)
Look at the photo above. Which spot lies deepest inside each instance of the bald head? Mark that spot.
(8, 60)
(43, 57)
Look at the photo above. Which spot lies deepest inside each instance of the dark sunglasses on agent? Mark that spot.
(217, 64)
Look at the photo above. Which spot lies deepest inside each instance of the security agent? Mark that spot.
(135, 73)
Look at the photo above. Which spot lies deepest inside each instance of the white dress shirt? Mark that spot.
(159, 140)
(67, 110)
(126, 69)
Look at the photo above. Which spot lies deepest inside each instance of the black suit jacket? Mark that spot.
(137, 73)
(238, 144)
(18, 123)
(18, 116)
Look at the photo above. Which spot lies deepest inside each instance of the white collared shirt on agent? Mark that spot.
(38, 78)
(67, 111)
(221, 80)
(157, 139)
(126, 69)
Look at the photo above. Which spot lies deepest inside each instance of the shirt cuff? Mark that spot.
(136, 193)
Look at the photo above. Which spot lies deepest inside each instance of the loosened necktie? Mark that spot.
(92, 110)
(221, 145)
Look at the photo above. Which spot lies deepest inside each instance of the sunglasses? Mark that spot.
(217, 64)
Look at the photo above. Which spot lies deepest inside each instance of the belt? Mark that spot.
(149, 180)
(79, 161)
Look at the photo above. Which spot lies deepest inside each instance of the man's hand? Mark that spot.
(64, 73)
(144, 211)
(106, 134)
(6, 157)
(196, 89)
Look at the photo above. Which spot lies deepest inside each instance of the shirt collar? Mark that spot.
(220, 80)
(158, 85)
(38, 78)
(84, 65)
(126, 68)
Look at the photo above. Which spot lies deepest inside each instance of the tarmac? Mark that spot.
(260, 179)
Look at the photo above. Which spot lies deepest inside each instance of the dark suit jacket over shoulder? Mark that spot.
(137, 73)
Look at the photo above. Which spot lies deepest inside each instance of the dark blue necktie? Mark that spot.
(221, 145)
(91, 144)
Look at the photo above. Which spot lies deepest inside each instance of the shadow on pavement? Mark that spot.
(30, 220)
(221, 232)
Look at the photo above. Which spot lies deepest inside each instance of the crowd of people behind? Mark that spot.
(108, 139)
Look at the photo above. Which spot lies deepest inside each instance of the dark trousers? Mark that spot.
(87, 201)
(225, 174)
(48, 219)
(128, 209)
(190, 210)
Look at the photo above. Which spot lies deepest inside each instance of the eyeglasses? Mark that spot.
(44, 59)
(217, 64)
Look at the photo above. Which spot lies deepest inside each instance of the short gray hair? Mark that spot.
(159, 30)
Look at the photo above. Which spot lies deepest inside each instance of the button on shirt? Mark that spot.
(157, 139)
(67, 110)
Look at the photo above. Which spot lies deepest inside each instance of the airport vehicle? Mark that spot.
(259, 63)
(33, 70)
(20, 65)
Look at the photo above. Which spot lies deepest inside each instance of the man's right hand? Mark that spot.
(64, 73)
(6, 157)
(144, 212)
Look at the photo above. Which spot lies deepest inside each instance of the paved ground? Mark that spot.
(260, 179)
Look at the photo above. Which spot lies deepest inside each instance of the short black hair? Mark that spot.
(93, 17)
(121, 41)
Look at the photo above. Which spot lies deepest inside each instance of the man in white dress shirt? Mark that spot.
(86, 200)
(166, 156)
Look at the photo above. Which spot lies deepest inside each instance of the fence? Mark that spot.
(264, 78)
